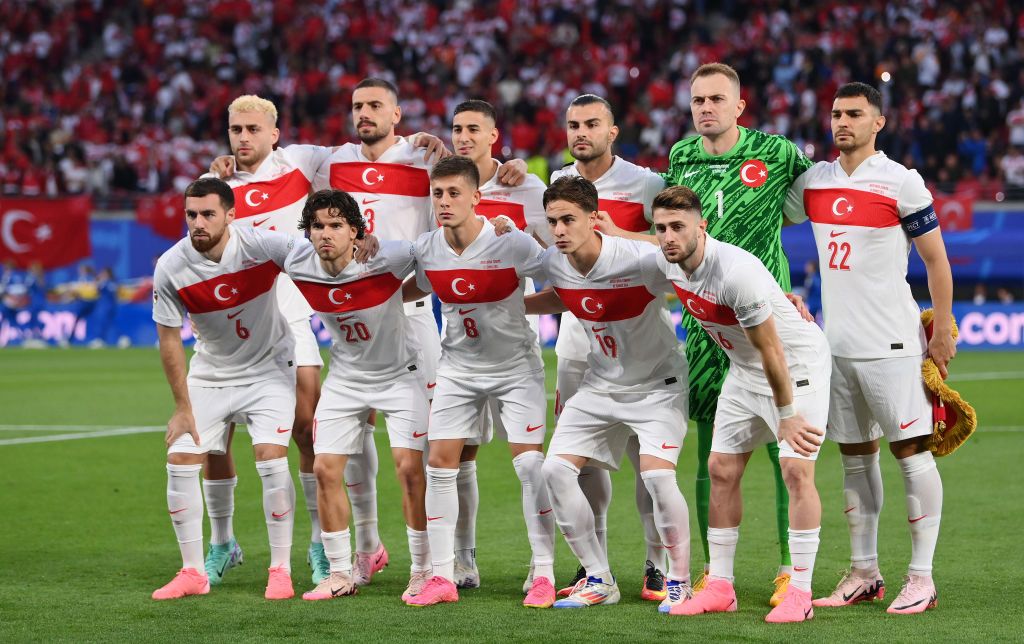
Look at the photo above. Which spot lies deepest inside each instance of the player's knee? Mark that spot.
(559, 473)
(328, 474)
(410, 474)
(723, 470)
(797, 474)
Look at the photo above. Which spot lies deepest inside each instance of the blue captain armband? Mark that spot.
(921, 222)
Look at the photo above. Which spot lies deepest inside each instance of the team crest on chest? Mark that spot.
(753, 173)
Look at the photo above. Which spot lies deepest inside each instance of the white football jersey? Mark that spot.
(481, 293)
(523, 204)
(862, 253)
(393, 193)
(731, 291)
(272, 199)
(633, 344)
(362, 309)
(241, 336)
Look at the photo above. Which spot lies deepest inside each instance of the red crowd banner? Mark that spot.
(51, 232)
(165, 214)
(956, 212)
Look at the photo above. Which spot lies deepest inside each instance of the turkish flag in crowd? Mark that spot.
(956, 212)
(165, 214)
(52, 232)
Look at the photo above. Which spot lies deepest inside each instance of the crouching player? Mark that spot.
(223, 276)
(777, 389)
(635, 383)
(373, 366)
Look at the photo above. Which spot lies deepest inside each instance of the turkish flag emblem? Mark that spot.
(753, 173)
(478, 286)
(51, 232)
(165, 214)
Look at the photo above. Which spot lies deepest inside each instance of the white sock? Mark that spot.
(278, 508)
(924, 509)
(308, 482)
(862, 490)
(645, 506)
(338, 548)
(596, 484)
(185, 505)
(361, 482)
(672, 518)
(722, 546)
(803, 548)
(540, 528)
(574, 516)
(442, 513)
(469, 504)
(419, 549)
(220, 507)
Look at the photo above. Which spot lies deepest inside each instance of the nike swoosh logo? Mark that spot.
(906, 425)
(909, 605)
(796, 569)
(336, 592)
(545, 511)
(353, 484)
(281, 515)
(807, 613)
(847, 598)
(833, 234)
(176, 511)
(435, 518)
(431, 385)
(347, 317)
(223, 567)
(257, 224)
(419, 434)
(667, 446)
(598, 329)
(691, 173)
(849, 510)
(466, 311)
(367, 202)
(917, 519)
(232, 316)
(533, 428)
(284, 430)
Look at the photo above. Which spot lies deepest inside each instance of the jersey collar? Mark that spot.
(739, 143)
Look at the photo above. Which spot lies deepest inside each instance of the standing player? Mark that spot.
(635, 384)
(489, 352)
(373, 366)
(776, 390)
(243, 367)
(474, 131)
(741, 176)
(389, 178)
(866, 210)
(625, 192)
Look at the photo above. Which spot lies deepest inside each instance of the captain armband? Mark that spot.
(921, 222)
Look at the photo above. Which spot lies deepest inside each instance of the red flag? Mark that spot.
(165, 214)
(956, 212)
(53, 232)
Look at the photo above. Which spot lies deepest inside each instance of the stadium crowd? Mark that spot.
(115, 97)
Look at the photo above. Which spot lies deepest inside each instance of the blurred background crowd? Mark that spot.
(122, 97)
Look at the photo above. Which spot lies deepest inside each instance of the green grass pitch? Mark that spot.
(85, 537)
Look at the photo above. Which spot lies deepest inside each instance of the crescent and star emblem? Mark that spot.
(455, 287)
(255, 191)
(330, 296)
(7, 230)
(367, 173)
(583, 305)
(846, 210)
(694, 307)
(217, 292)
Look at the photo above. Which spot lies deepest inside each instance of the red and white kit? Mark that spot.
(374, 356)
(243, 368)
(871, 319)
(489, 350)
(523, 204)
(626, 192)
(393, 194)
(731, 291)
(272, 198)
(636, 371)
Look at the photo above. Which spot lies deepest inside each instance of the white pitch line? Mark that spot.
(77, 435)
(57, 428)
(986, 375)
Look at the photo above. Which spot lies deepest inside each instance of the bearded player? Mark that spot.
(866, 211)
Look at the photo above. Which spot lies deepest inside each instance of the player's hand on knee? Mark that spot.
(181, 423)
(223, 166)
(801, 307)
(434, 146)
(367, 248)
(512, 173)
(804, 438)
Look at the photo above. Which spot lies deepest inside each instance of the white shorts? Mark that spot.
(570, 376)
(746, 419)
(459, 405)
(424, 329)
(267, 407)
(344, 407)
(875, 398)
(597, 425)
(307, 350)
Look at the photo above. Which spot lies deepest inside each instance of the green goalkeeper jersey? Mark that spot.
(741, 193)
